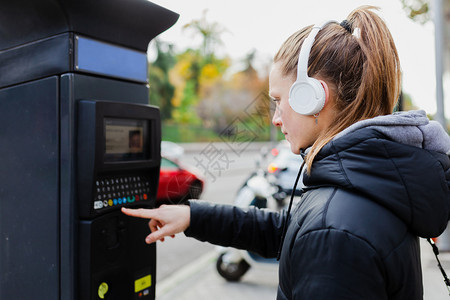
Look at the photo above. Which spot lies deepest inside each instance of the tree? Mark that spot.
(418, 10)
(185, 96)
(197, 71)
(203, 95)
(210, 32)
(161, 90)
(237, 97)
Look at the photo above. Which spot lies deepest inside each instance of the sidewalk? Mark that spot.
(200, 280)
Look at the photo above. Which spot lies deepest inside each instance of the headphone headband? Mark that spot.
(303, 56)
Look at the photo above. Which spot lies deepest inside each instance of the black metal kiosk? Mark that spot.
(78, 141)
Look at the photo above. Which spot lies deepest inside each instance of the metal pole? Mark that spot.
(438, 9)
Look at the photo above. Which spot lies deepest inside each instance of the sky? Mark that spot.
(264, 25)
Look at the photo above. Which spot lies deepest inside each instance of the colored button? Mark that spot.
(120, 201)
(110, 202)
(145, 197)
(115, 201)
(137, 197)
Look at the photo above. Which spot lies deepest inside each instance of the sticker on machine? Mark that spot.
(142, 283)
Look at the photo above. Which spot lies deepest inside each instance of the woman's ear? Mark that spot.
(327, 92)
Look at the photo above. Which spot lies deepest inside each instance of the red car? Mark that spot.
(177, 184)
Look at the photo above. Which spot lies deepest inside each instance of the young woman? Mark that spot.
(373, 181)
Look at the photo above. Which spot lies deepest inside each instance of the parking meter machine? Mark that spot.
(118, 159)
(78, 142)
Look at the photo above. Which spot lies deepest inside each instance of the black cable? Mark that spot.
(283, 233)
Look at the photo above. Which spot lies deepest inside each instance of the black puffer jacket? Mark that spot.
(372, 191)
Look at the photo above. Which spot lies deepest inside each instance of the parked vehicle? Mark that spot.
(259, 190)
(171, 150)
(178, 183)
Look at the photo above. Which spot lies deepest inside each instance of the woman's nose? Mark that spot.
(276, 120)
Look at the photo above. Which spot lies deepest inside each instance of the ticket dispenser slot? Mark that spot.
(118, 161)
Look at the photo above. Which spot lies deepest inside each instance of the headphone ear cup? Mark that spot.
(307, 97)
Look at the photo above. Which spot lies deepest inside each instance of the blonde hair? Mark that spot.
(363, 69)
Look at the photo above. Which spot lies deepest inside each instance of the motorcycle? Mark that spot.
(259, 190)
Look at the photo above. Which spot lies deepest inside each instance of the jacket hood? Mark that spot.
(399, 161)
(410, 128)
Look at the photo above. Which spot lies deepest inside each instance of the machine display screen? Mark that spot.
(125, 139)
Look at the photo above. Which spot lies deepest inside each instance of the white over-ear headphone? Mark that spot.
(307, 95)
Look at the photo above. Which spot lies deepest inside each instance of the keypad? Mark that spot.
(118, 190)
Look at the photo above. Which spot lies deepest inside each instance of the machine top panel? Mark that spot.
(96, 57)
(129, 23)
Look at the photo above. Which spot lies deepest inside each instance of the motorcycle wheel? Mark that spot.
(231, 271)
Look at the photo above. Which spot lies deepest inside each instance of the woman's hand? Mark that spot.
(167, 220)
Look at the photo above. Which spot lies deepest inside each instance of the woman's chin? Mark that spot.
(294, 149)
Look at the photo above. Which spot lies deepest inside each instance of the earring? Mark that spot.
(316, 116)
